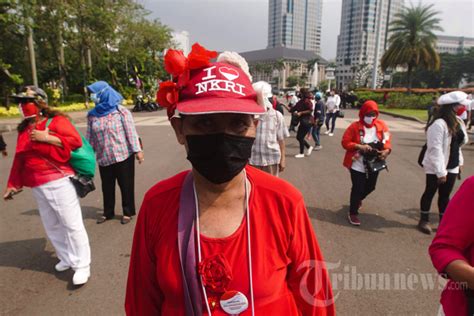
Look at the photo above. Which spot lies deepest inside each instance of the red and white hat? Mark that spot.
(202, 87)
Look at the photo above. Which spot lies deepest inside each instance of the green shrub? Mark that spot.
(369, 95)
(399, 100)
(409, 101)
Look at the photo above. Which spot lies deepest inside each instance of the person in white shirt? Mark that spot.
(294, 120)
(443, 158)
(268, 150)
(332, 108)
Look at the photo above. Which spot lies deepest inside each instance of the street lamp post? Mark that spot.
(377, 44)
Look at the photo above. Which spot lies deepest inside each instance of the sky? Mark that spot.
(241, 25)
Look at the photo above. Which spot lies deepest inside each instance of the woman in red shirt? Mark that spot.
(41, 163)
(223, 238)
(452, 252)
(367, 137)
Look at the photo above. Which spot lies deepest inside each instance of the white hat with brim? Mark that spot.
(455, 97)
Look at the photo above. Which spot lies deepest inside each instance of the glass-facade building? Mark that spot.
(295, 24)
(356, 43)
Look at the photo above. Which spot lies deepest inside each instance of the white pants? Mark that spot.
(61, 214)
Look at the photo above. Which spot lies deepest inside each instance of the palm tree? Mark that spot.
(280, 66)
(412, 43)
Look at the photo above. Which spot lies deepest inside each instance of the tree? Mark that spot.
(280, 66)
(454, 68)
(310, 63)
(12, 50)
(292, 81)
(412, 43)
(78, 42)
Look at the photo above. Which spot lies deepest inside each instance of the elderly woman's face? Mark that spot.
(233, 124)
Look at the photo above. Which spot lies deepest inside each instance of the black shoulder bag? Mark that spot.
(372, 161)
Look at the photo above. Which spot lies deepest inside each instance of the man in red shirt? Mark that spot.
(223, 238)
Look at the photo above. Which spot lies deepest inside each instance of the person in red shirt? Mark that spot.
(41, 163)
(223, 238)
(452, 252)
(364, 139)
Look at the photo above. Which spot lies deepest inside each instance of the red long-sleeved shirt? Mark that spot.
(37, 163)
(454, 240)
(289, 275)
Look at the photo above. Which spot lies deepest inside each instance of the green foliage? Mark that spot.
(409, 101)
(13, 111)
(78, 42)
(398, 100)
(292, 81)
(412, 43)
(454, 68)
(369, 95)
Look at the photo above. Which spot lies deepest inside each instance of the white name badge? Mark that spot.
(234, 302)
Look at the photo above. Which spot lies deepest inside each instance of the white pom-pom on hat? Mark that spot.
(264, 91)
(235, 59)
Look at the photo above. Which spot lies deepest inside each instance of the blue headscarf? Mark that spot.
(109, 99)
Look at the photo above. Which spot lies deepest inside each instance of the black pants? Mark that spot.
(444, 191)
(362, 185)
(331, 117)
(124, 173)
(303, 130)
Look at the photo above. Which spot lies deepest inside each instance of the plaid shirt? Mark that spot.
(270, 130)
(113, 137)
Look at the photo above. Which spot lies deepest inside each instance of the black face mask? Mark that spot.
(219, 157)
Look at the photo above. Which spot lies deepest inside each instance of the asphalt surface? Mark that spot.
(381, 267)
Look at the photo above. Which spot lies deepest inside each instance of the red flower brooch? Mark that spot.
(177, 65)
(216, 273)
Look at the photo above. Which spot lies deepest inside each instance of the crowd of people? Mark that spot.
(229, 235)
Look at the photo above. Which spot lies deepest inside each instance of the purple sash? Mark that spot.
(187, 250)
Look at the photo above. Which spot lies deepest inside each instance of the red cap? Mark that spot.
(218, 88)
(202, 87)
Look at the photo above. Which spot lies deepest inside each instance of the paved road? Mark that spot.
(388, 253)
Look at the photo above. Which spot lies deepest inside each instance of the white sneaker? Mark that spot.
(318, 147)
(299, 156)
(61, 266)
(326, 132)
(331, 134)
(81, 276)
(310, 150)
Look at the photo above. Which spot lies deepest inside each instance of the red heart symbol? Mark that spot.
(229, 73)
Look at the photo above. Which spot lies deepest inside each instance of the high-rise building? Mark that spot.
(295, 24)
(181, 41)
(356, 43)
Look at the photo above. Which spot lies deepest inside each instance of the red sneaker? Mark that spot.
(354, 219)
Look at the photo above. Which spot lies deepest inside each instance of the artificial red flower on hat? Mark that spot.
(216, 273)
(175, 62)
(177, 65)
(167, 96)
(200, 57)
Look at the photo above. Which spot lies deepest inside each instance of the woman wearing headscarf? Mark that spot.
(223, 238)
(367, 137)
(111, 132)
(452, 252)
(303, 110)
(445, 136)
(42, 163)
